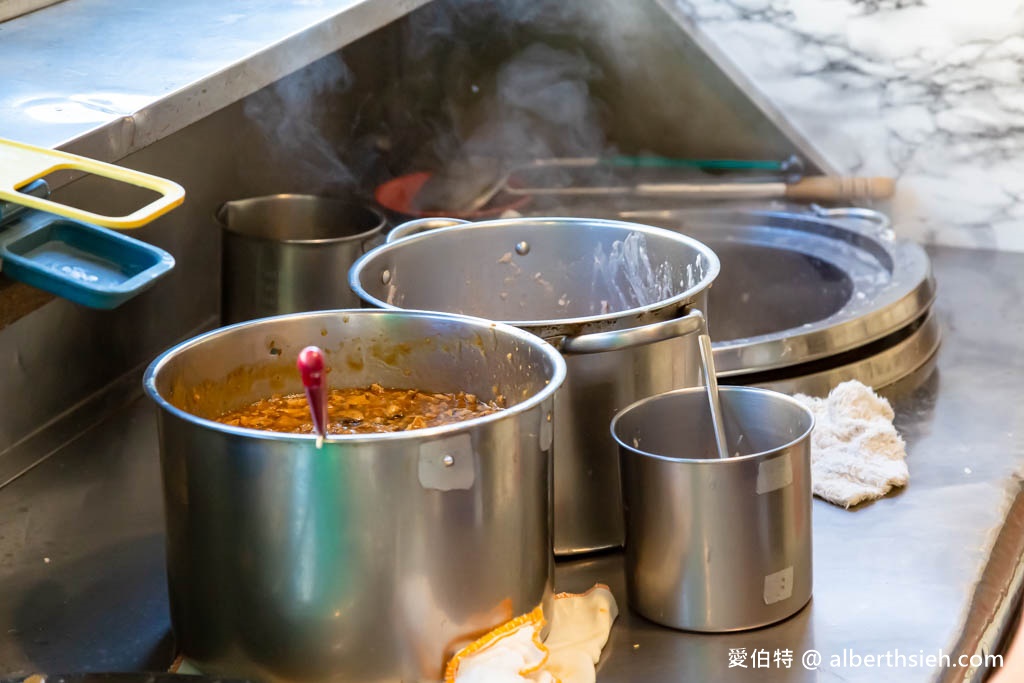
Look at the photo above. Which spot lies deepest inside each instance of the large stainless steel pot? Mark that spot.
(376, 556)
(552, 277)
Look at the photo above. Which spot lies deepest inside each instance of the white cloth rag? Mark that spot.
(514, 652)
(856, 454)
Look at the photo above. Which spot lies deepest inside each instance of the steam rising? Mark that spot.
(541, 106)
(296, 140)
(509, 80)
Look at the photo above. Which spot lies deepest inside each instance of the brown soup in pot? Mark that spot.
(366, 410)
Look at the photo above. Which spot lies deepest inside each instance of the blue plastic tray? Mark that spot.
(87, 264)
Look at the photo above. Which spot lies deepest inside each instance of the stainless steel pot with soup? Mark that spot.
(375, 554)
(621, 301)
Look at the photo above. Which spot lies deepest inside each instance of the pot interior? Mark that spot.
(537, 270)
(770, 290)
(299, 218)
(678, 424)
(234, 366)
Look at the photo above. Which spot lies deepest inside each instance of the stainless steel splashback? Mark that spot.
(348, 122)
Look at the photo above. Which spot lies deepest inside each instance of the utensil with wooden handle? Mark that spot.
(814, 188)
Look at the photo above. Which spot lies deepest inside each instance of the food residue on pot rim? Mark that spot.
(390, 353)
(369, 410)
(539, 279)
(355, 361)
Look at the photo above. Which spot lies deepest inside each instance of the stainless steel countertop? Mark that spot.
(105, 78)
(934, 567)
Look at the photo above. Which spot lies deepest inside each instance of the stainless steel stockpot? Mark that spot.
(717, 544)
(376, 556)
(281, 253)
(556, 278)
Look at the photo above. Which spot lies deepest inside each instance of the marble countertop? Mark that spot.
(930, 91)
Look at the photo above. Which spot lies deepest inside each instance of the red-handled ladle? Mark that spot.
(311, 366)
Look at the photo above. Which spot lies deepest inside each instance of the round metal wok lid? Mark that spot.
(798, 288)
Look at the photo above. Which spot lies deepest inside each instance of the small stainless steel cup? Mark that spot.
(716, 544)
(290, 253)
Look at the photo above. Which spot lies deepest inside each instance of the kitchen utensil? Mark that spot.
(288, 253)
(377, 556)
(707, 359)
(789, 165)
(716, 544)
(463, 186)
(399, 196)
(311, 367)
(558, 278)
(467, 184)
(817, 188)
(21, 164)
(84, 263)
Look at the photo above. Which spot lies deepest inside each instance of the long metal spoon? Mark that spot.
(311, 366)
(711, 383)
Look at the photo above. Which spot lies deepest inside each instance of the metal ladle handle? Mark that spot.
(707, 357)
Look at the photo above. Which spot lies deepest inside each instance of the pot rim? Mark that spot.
(219, 215)
(685, 297)
(556, 380)
(786, 398)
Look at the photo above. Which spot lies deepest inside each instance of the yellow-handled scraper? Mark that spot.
(20, 164)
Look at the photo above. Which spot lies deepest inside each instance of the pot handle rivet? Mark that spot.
(448, 461)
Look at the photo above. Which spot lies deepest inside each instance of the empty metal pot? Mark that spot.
(716, 544)
(588, 287)
(376, 556)
(289, 253)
